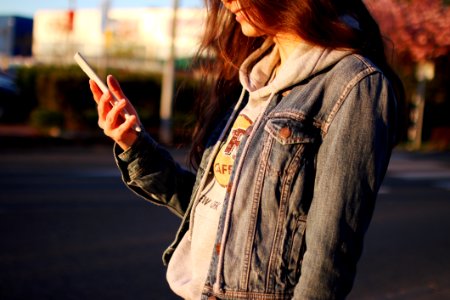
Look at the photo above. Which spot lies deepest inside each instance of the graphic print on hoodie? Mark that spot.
(224, 161)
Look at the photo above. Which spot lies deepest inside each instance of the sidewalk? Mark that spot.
(22, 135)
(16, 130)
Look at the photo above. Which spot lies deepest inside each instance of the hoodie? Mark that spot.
(305, 61)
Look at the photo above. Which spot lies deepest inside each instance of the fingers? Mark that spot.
(110, 117)
(96, 92)
(125, 127)
(104, 107)
(117, 91)
(112, 120)
(113, 116)
(114, 87)
(120, 129)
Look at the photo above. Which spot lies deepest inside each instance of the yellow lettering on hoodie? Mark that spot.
(223, 164)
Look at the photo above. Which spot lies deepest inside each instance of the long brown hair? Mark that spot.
(224, 47)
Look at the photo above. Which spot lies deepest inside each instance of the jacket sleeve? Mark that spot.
(351, 163)
(151, 172)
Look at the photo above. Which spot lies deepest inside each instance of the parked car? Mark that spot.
(9, 94)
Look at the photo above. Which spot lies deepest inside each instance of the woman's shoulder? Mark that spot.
(350, 71)
(353, 64)
(320, 97)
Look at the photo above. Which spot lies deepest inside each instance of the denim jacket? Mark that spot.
(301, 194)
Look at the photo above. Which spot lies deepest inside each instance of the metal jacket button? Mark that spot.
(285, 132)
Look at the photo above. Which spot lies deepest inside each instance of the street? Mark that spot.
(69, 229)
(407, 245)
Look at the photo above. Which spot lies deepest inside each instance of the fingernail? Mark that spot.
(112, 78)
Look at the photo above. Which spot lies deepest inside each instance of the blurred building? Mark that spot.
(128, 34)
(15, 36)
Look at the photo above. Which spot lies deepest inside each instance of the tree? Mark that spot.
(419, 29)
(420, 33)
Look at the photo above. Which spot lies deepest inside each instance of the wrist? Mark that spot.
(128, 141)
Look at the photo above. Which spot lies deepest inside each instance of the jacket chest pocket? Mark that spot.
(289, 155)
(291, 144)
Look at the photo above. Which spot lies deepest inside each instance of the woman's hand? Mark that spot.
(114, 125)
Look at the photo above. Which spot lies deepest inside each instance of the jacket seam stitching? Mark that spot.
(343, 96)
(254, 212)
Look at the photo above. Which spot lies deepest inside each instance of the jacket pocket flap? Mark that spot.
(288, 131)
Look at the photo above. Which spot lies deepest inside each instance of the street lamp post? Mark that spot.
(424, 73)
(166, 104)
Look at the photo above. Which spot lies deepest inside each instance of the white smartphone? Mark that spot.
(84, 65)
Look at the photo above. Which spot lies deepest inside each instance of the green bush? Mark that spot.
(65, 90)
(47, 121)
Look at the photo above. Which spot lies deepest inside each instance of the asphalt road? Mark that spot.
(69, 229)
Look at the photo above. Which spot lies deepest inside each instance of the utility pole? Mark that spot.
(69, 28)
(424, 73)
(167, 88)
(105, 6)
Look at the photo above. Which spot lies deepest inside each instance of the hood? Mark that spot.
(303, 62)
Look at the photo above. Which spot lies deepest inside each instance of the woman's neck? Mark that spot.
(286, 44)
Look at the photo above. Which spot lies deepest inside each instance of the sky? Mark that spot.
(27, 8)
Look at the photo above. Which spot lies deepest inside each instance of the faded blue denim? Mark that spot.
(302, 191)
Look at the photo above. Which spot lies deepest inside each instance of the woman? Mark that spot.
(287, 174)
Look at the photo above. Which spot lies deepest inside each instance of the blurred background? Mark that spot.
(69, 229)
